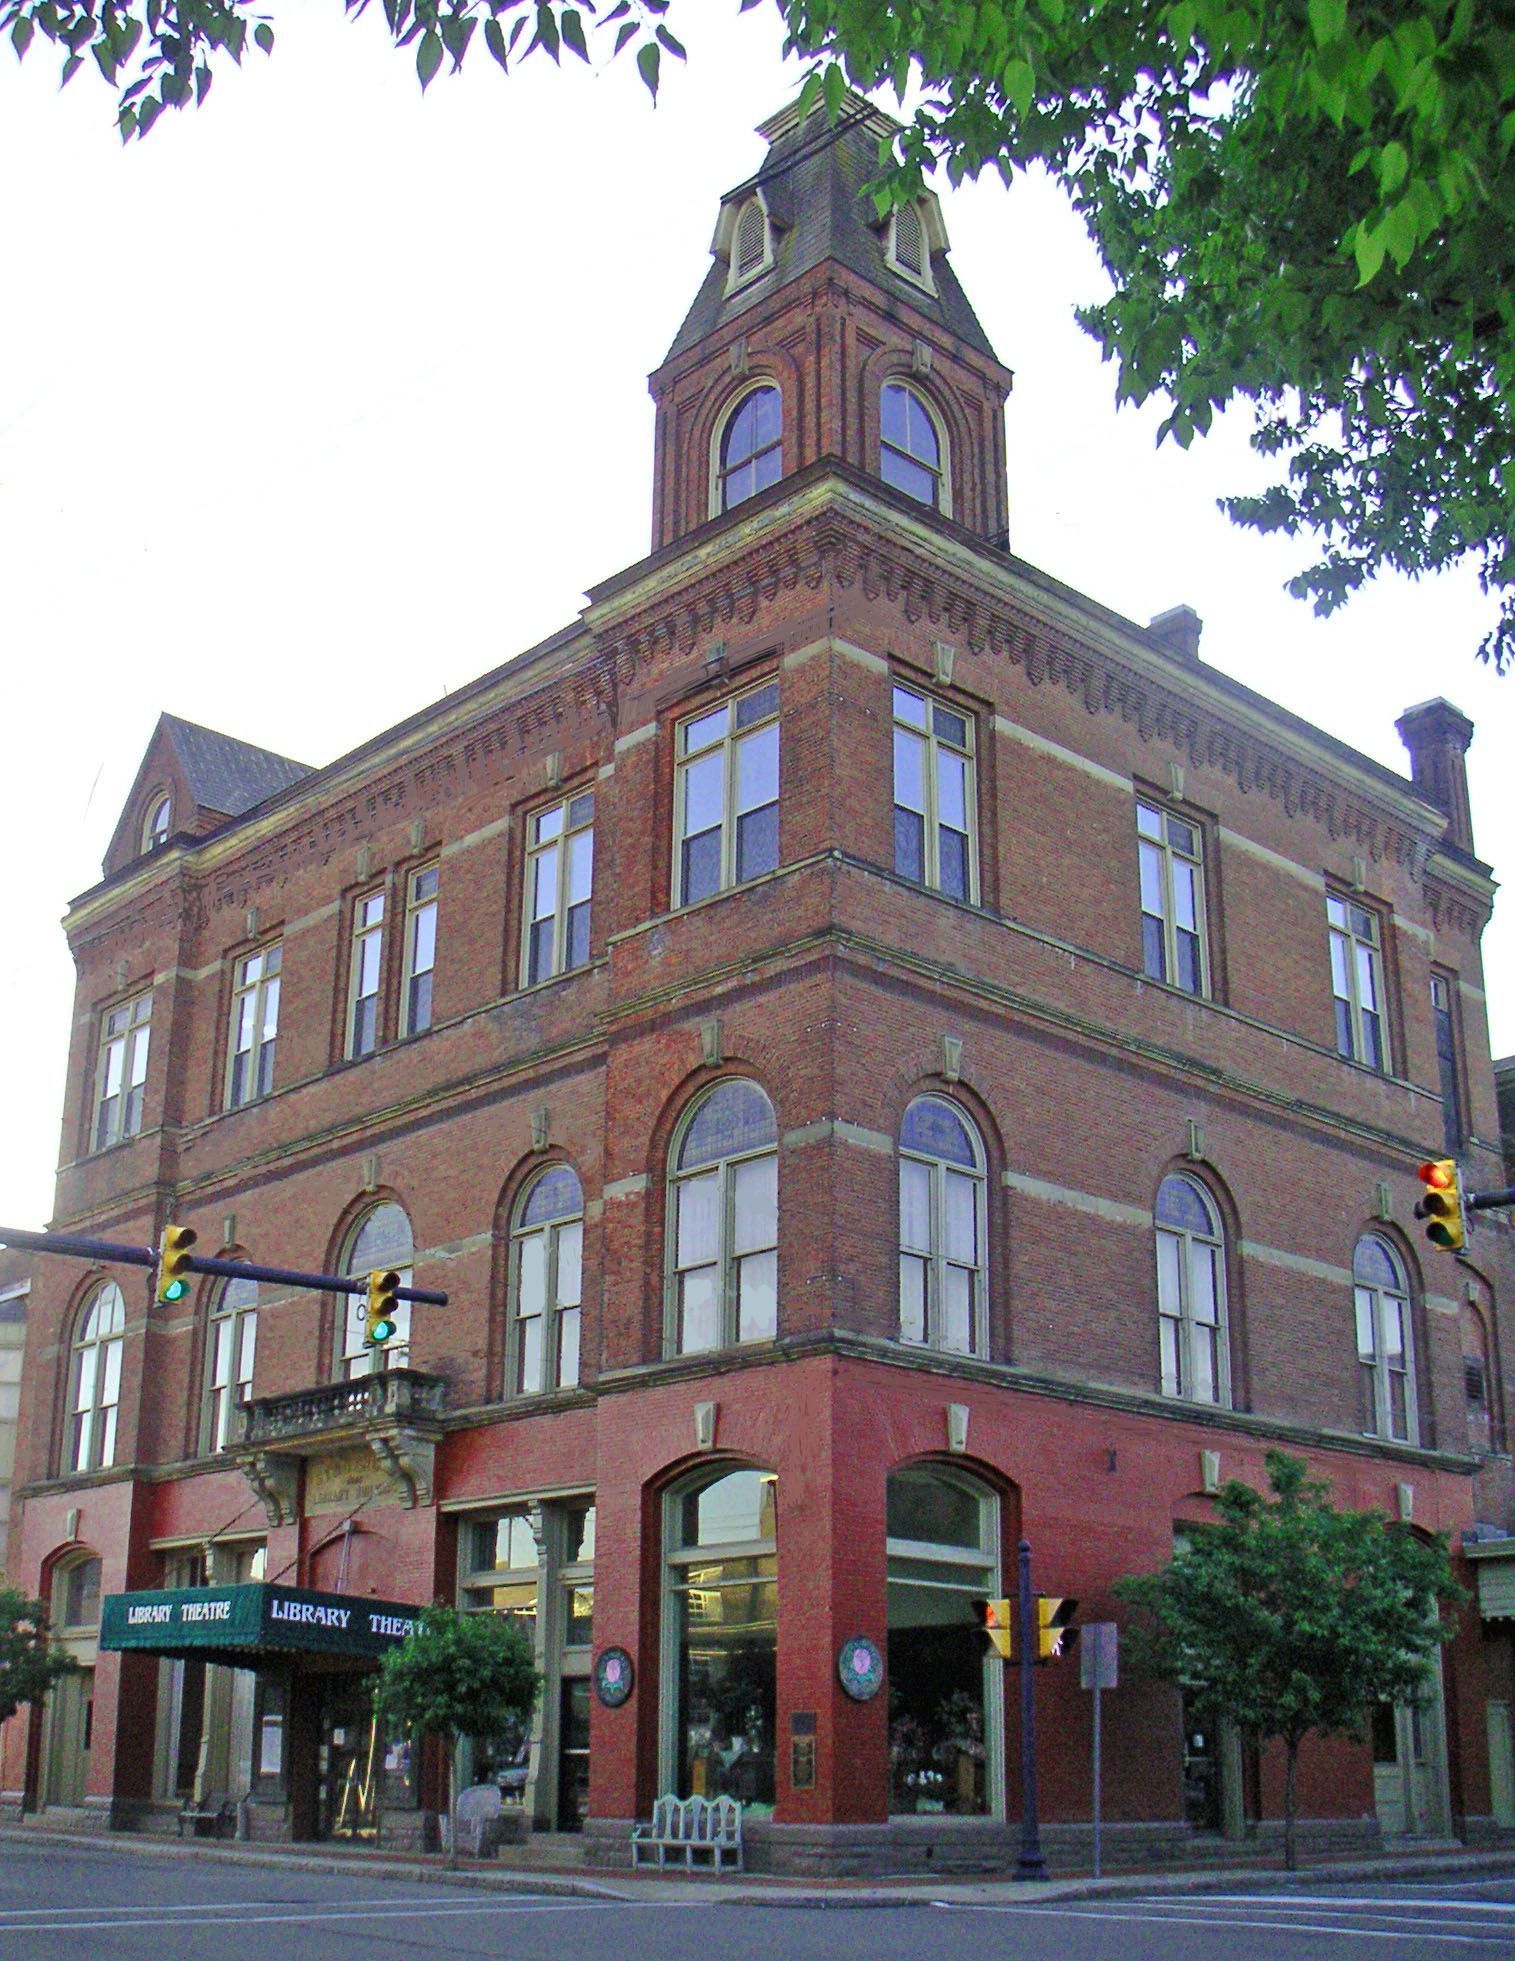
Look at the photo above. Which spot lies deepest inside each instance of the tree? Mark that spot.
(458, 1675)
(1289, 1617)
(1302, 205)
(28, 1667)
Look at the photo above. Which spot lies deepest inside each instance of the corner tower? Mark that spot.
(823, 332)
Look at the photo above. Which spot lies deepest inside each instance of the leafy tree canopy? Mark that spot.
(1305, 205)
(1288, 1616)
(28, 1668)
(458, 1675)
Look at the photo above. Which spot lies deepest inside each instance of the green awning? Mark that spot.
(246, 1625)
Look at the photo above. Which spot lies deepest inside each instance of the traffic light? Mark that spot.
(380, 1324)
(994, 1619)
(1442, 1204)
(174, 1252)
(1054, 1636)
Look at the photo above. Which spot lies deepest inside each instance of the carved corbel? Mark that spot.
(410, 1459)
(276, 1481)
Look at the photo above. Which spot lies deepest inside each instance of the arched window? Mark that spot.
(381, 1240)
(231, 1338)
(942, 1292)
(1191, 1293)
(910, 447)
(724, 1223)
(155, 824)
(96, 1380)
(751, 454)
(721, 1569)
(546, 1269)
(76, 1594)
(945, 1719)
(1385, 1367)
(751, 250)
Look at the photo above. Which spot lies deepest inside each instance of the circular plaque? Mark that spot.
(861, 1668)
(613, 1677)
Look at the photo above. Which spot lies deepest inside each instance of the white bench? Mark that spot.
(692, 1832)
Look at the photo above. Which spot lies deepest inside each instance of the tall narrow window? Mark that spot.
(910, 449)
(254, 1026)
(933, 795)
(725, 1225)
(1191, 1293)
(1357, 982)
(1173, 898)
(420, 950)
(363, 974)
(559, 881)
(230, 1346)
(728, 794)
(751, 252)
(1448, 1061)
(122, 1080)
(942, 1294)
(381, 1242)
(155, 826)
(751, 453)
(909, 251)
(1385, 1368)
(96, 1380)
(547, 1262)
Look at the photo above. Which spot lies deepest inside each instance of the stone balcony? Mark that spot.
(336, 1408)
(371, 1438)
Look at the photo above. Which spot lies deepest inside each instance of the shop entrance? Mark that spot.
(349, 1760)
(69, 1719)
(573, 1755)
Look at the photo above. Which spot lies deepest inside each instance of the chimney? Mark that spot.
(1179, 629)
(1437, 736)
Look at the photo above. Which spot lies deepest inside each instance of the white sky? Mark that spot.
(326, 398)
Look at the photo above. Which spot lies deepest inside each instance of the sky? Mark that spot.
(328, 397)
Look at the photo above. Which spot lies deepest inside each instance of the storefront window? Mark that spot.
(944, 1710)
(722, 1621)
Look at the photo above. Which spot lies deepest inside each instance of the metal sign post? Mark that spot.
(1031, 1864)
(1099, 1669)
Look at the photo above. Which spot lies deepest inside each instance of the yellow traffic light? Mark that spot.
(174, 1253)
(380, 1323)
(994, 1619)
(1054, 1636)
(1442, 1204)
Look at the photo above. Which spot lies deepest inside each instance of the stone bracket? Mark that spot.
(410, 1459)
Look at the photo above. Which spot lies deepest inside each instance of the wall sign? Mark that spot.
(861, 1667)
(613, 1677)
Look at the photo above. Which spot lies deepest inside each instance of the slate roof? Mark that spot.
(812, 180)
(226, 775)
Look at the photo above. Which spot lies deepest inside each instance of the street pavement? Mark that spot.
(64, 1899)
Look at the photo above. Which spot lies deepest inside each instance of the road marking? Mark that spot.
(1331, 1901)
(386, 1910)
(1071, 1911)
(225, 1906)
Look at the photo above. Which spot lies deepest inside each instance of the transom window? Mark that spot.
(420, 950)
(1385, 1370)
(96, 1380)
(1173, 899)
(751, 447)
(382, 1242)
(230, 1346)
(547, 1258)
(76, 1594)
(1191, 1293)
(728, 794)
(254, 1026)
(933, 794)
(724, 1227)
(910, 448)
(942, 1293)
(559, 879)
(1357, 982)
(364, 972)
(122, 1080)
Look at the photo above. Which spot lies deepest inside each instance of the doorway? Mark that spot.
(349, 1763)
(70, 1721)
(573, 1754)
(1409, 1769)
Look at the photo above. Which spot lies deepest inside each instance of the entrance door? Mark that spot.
(1407, 1770)
(350, 1764)
(1501, 1764)
(573, 1755)
(68, 1737)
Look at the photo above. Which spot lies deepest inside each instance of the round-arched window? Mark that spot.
(910, 449)
(546, 1268)
(942, 1291)
(751, 447)
(1191, 1293)
(724, 1224)
(155, 824)
(382, 1240)
(96, 1380)
(1386, 1374)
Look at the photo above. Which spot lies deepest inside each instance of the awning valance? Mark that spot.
(257, 1622)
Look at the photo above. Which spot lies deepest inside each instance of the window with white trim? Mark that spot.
(231, 1340)
(381, 1242)
(254, 1025)
(751, 244)
(910, 446)
(1191, 1293)
(1386, 1373)
(942, 1266)
(1171, 854)
(559, 884)
(934, 830)
(750, 454)
(365, 968)
(909, 248)
(547, 1282)
(724, 1222)
(1357, 982)
(156, 824)
(420, 950)
(727, 795)
(95, 1380)
(121, 1081)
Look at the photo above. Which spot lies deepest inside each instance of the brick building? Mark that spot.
(884, 1056)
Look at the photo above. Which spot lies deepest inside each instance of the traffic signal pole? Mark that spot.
(1031, 1864)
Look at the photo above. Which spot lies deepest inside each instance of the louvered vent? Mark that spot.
(751, 239)
(910, 241)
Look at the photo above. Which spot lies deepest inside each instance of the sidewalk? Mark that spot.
(761, 1889)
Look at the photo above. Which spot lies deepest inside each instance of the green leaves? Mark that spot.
(29, 1666)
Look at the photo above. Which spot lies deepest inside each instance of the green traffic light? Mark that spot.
(382, 1331)
(175, 1290)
